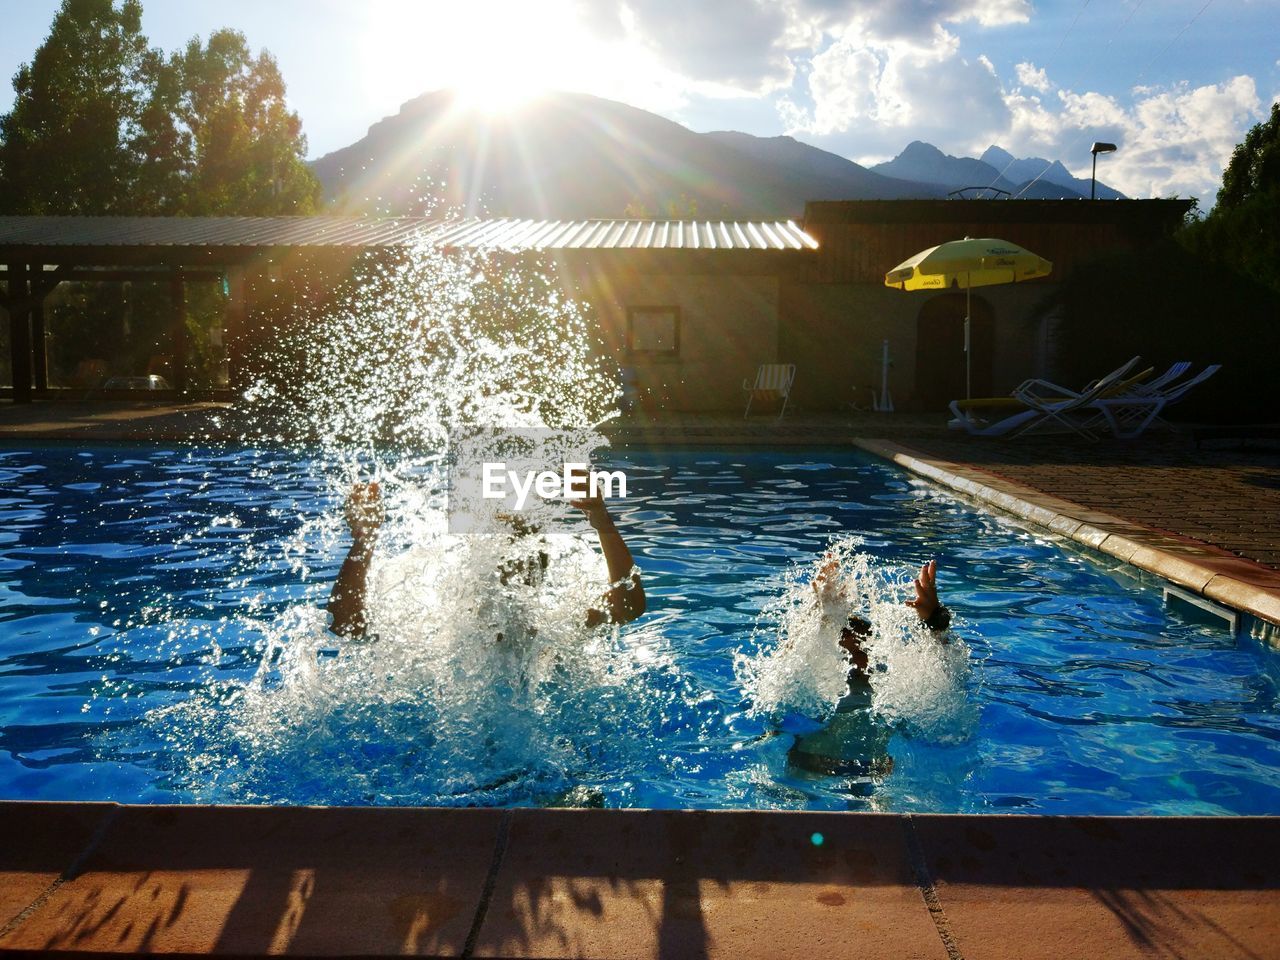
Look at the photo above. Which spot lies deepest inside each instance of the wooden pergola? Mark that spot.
(39, 253)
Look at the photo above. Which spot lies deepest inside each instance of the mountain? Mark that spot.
(1029, 168)
(997, 169)
(830, 176)
(575, 156)
(925, 163)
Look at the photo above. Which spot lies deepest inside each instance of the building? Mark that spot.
(688, 309)
(835, 312)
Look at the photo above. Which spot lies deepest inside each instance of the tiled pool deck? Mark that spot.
(246, 881)
(85, 879)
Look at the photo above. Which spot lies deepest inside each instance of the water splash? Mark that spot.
(919, 684)
(480, 682)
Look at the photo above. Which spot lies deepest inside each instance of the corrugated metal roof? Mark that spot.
(502, 234)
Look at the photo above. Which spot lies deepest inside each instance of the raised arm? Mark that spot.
(926, 604)
(624, 600)
(347, 601)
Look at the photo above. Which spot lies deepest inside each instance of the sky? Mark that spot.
(1174, 83)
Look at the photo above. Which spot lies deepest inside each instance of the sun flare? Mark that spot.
(494, 54)
(495, 92)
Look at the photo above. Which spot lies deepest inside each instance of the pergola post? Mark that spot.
(19, 307)
(235, 330)
(42, 284)
(178, 327)
(39, 353)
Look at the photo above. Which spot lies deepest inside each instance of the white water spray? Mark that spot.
(919, 683)
(480, 682)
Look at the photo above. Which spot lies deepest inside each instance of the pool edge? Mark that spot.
(1206, 570)
(249, 881)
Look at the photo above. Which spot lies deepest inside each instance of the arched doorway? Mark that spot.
(940, 350)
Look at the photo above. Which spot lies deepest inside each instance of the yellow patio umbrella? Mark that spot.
(964, 264)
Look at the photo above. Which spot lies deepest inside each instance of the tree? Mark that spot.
(104, 124)
(247, 150)
(1254, 169)
(1242, 232)
(68, 144)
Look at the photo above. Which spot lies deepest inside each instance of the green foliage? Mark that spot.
(1244, 239)
(69, 144)
(104, 124)
(682, 208)
(1242, 232)
(1254, 169)
(247, 147)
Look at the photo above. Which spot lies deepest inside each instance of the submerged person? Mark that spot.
(854, 741)
(622, 602)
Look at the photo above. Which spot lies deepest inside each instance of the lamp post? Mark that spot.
(1096, 149)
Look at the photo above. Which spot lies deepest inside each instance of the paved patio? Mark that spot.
(1225, 496)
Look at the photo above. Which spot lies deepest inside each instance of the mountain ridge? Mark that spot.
(576, 156)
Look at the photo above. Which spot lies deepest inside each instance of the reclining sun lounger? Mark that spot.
(1036, 404)
(1128, 414)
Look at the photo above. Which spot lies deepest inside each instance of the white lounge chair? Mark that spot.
(1037, 403)
(1128, 414)
(773, 382)
(1137, 385)
(1057, 404)
(1140, 383)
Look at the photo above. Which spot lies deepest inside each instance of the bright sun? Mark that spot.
(495, 92)
(496, 54)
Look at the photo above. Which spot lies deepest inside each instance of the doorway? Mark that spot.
(940, 350)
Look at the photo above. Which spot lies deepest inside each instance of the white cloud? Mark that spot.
(844, 82)
(1031, 76)
(1173, 140)
(864, 77)
(754, 46)
(732, 43)
(904, 19)
(874, 91)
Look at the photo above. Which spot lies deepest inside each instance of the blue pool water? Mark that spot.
(155, 647)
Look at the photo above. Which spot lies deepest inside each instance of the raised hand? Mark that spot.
(593, 507)
(926, 584)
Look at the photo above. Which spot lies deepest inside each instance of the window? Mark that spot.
(653, 331)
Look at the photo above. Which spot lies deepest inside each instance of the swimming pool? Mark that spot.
(152, 602)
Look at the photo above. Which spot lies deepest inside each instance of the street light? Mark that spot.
(1096, 149)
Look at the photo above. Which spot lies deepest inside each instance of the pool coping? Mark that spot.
(1205, 570)
(104, 879)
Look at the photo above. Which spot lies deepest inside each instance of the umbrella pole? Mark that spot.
(968, 376)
